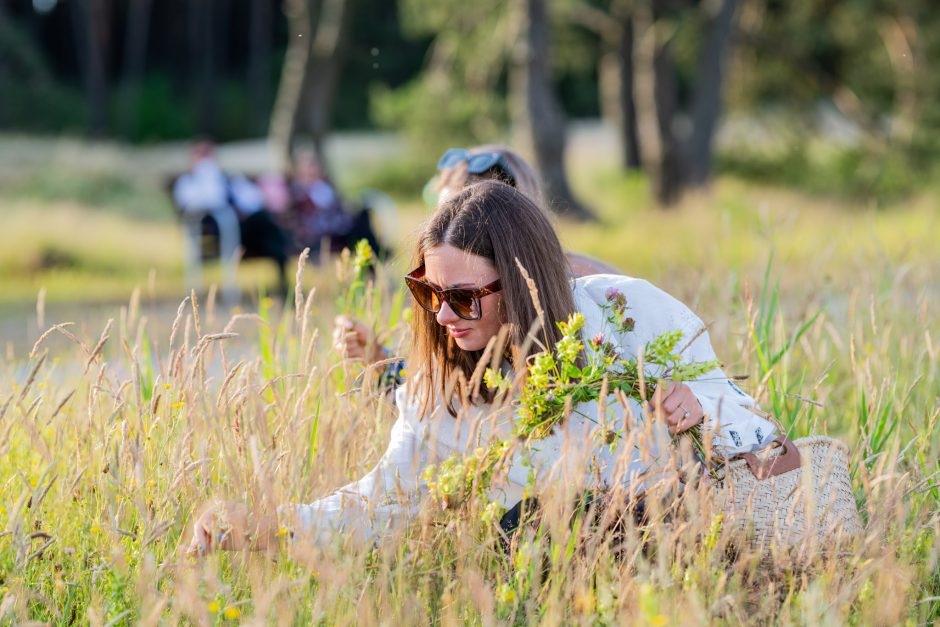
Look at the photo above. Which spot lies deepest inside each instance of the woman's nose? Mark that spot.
(446, 315)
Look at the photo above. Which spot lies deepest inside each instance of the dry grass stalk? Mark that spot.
(196, 322)
(31, 378)
(96, 351)
(135, 469)
(299, 283)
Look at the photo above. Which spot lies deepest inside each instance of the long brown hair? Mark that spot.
(499, 223)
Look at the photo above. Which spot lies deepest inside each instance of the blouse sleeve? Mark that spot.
(377, 502)
(727, 407)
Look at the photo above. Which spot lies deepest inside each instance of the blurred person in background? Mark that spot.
(235, 204)
(319, 214)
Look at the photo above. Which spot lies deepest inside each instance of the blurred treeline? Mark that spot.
(156, 70)
(834, 95)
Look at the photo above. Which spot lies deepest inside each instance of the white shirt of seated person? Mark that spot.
(206, 188)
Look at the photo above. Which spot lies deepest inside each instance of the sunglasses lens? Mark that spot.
(463, 304)
(478, 164)
(452, 157)
(424, 295)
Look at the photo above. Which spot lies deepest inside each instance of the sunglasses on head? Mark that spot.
(463, 302)
(477, 163)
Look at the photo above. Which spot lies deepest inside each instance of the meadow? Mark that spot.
(114, 431)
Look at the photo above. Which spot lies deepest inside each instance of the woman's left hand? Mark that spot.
(679, 406)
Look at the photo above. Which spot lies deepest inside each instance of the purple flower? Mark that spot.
(616, 297)
(597, 340)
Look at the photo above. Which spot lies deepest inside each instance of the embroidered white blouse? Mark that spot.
(576, 451)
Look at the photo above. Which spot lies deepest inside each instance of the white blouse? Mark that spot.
(576, 451)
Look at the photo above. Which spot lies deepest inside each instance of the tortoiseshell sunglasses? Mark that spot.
(464, 302)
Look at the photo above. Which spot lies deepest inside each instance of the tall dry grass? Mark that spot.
(110, 441)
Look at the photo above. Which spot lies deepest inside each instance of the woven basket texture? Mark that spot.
(813, 503)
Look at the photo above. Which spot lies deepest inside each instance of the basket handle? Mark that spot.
(788, 460)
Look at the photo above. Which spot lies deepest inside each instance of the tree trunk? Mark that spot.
(290, 89)
(629, 133)
(20, 56)
(656, 103)
(260, 57)
(608, 84)
(202, 49)
(135, 59)
(614, 27)
(6, 72)
(91, 20)
(328, 51)
(537, 111)
(706, 105)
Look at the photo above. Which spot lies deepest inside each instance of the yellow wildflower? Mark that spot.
(584, 601)
(232, 613)
(506, 594)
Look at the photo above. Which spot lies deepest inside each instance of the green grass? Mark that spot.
(107, 458)
(81, 254)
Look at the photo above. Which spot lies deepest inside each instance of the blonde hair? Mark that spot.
(523, 176)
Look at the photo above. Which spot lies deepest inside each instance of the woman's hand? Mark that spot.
(679, 406)
(354, 340)
(231, 526)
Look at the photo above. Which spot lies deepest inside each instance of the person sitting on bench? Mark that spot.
(319, 213)
(233, 202)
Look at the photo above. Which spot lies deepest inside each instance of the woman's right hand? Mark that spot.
(231, 526)
(354, 340)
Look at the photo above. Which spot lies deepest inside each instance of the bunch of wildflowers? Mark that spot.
(462, 478)
(557, 380)
(357, 269)
(568, 375)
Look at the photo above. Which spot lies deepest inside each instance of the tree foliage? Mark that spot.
(439, 70)
(459, 97)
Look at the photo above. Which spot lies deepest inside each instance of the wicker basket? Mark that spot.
(790, 494)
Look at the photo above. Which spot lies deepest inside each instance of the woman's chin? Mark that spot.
(468, 343)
